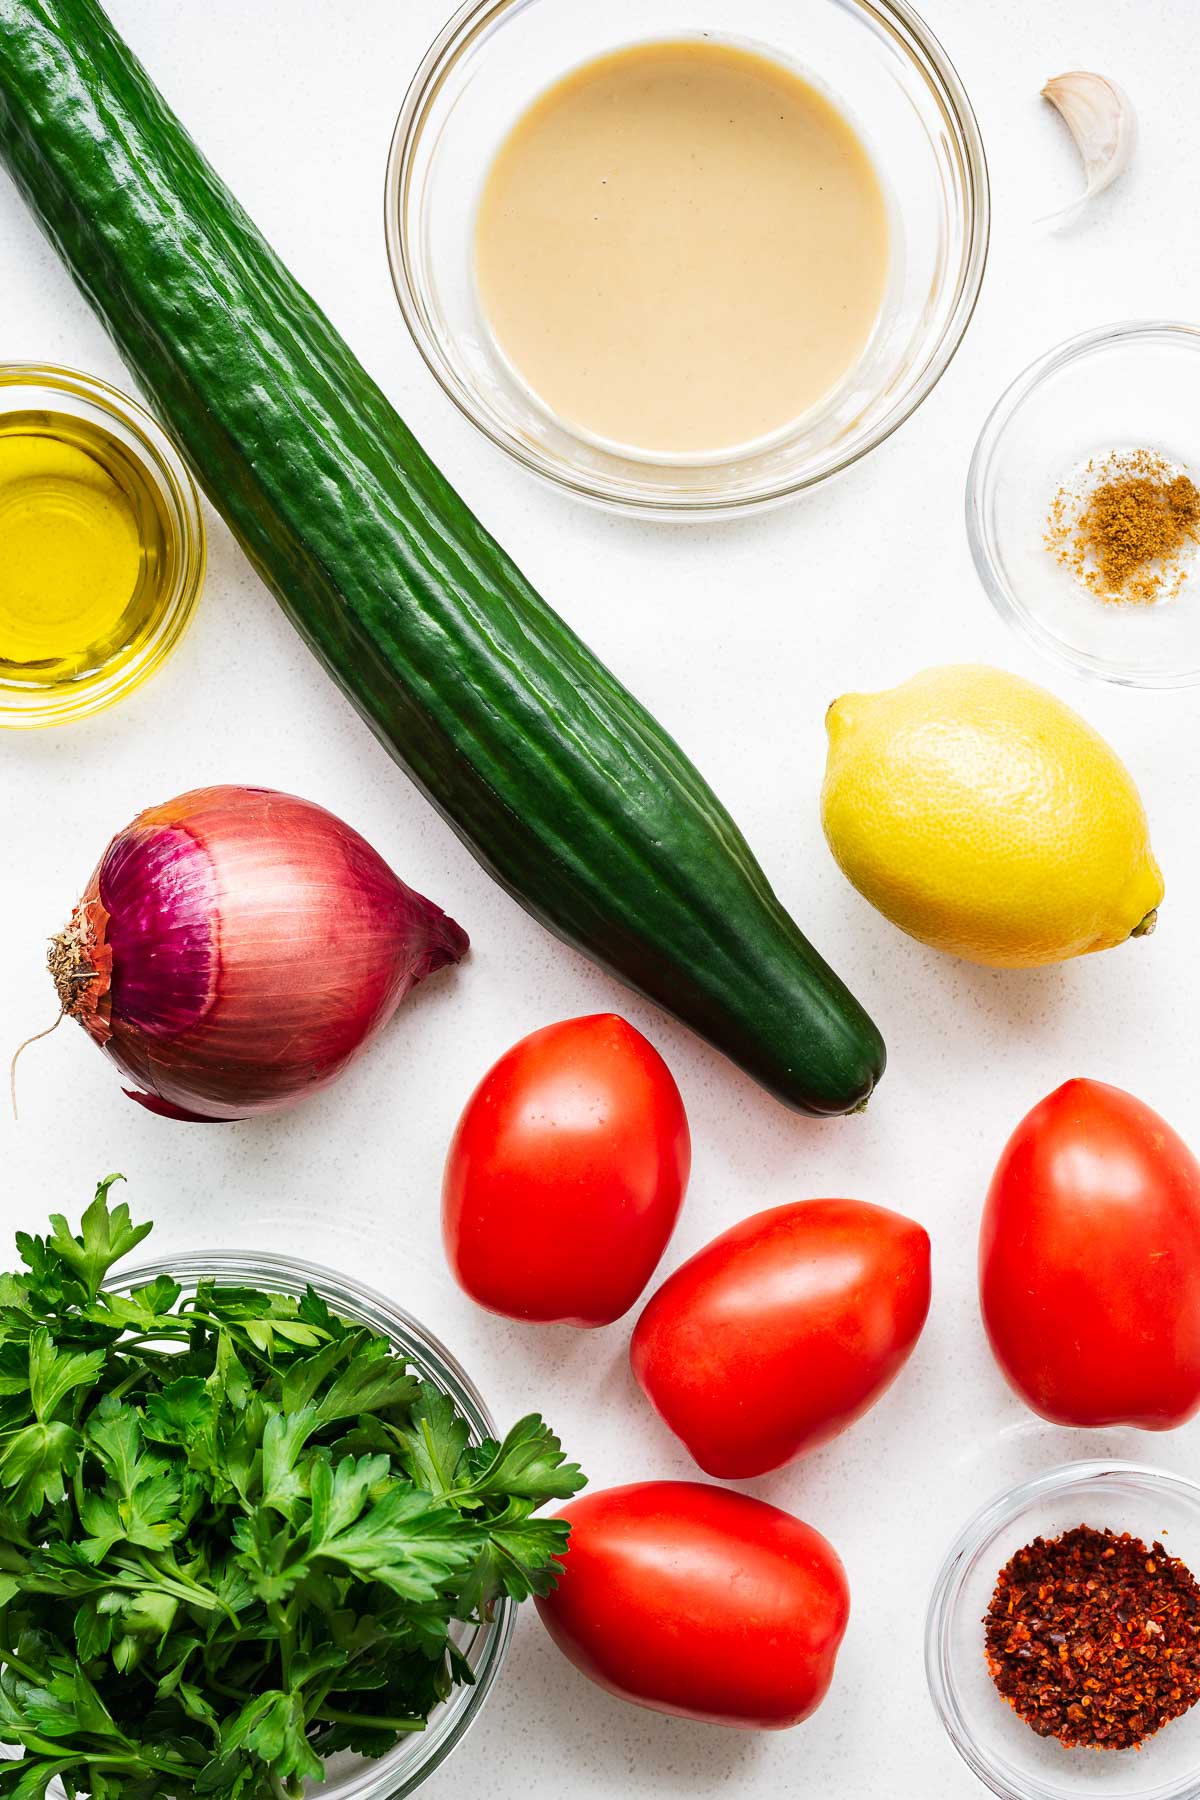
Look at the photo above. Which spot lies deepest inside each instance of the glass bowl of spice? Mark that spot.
(1083, 504)
(1063, 1639)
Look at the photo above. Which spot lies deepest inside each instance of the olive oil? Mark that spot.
(86, 553)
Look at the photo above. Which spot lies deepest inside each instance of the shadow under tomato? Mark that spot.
(609, 1745)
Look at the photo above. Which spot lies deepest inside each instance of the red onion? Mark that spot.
(236, 947)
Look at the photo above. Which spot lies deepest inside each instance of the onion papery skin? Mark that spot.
(236, 947)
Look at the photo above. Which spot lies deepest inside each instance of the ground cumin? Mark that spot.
(1124, 528)
(1094, 1639)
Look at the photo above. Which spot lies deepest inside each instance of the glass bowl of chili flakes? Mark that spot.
(1158, 1507)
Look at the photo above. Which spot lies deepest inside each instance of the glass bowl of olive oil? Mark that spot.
(101, 545)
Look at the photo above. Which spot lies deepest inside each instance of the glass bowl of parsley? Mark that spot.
(257, 1529)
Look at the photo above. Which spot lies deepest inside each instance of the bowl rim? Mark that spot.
(979, 485)
(375, 1781)
(924, 49)
(165, 466)
(982, 1525)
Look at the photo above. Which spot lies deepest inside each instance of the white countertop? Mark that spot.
(737, 637)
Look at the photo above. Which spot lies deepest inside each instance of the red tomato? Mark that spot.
(783, 1331)
(700, 1602)
(1089, 1262)
(566, 1174)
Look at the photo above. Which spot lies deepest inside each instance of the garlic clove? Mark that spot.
(1100, 117)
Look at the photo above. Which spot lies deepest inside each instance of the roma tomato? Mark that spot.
(783, 1331)
(566, 1174)
(1089, 1262)
(700, 1602)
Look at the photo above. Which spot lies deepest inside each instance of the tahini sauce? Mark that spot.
(682, 247)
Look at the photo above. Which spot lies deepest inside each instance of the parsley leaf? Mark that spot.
(529, 1463)
(406, 1540)
(339, 1495)
(53, 1373)
(183, 1414)
(104, 1238)
(29, 1778)
(519, 1559)
(273, 1726)
(284, 1484)
(434, 1442)
(33, 1465)
(373, 1383)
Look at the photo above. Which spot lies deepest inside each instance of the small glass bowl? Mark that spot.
(889, 74)
(416, 1757)
(32, 387)
(1133, 386)
(996, 1744)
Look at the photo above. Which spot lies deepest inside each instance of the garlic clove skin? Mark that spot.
(1100, 117)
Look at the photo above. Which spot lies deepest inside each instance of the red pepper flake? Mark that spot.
(1095, 1640)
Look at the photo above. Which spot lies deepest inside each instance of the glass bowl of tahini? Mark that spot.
(1008, 1756)
(686, 261)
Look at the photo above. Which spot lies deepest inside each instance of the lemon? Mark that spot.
(983, 816)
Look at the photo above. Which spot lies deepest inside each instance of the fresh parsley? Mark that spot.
(236, 1531)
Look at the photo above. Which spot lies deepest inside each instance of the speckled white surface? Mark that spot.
(737, 637)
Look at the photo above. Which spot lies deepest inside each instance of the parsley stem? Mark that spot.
(174, 1581)
(10, 1661)
(377, 1721)
(222, 1687)
(140, 1755)
(278, 1616)
(187, 1311)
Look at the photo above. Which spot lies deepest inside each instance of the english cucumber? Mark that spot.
(560, 782)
